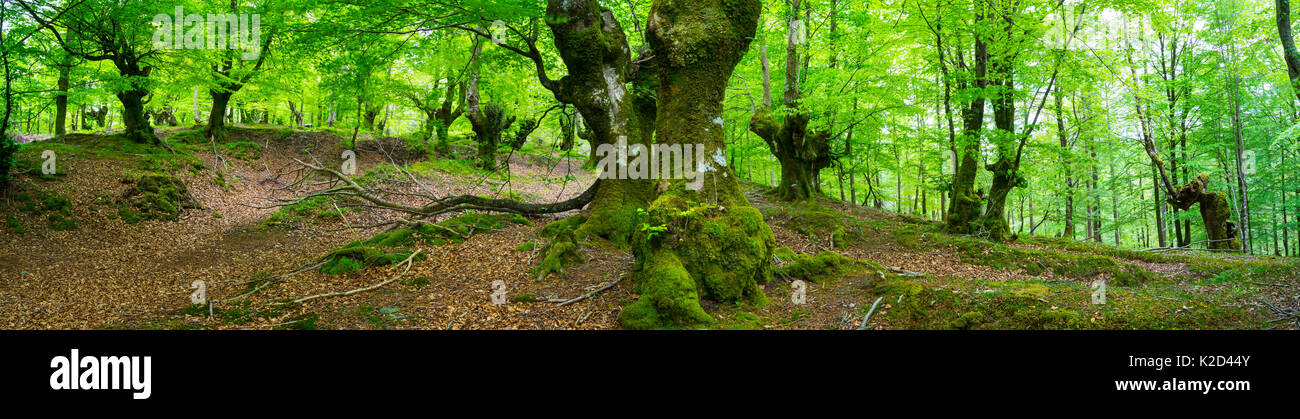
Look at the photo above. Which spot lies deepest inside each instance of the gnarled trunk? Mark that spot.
(714, 244)
(802, 152)
(964, 208)
(136, 121)
(1216, 214)
(489, 122)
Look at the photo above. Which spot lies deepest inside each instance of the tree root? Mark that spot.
(588, 295)
(444, 205)
(408, 261)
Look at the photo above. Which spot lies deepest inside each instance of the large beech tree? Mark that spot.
(803, 151)
(97, 31)
(706, 242)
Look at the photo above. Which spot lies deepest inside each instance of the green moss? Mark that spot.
(304, 211)
(13, 225)
(128, 215)
(783, 254)
(341, 264)
(554, 228)
(741, 320)
(704, 251)
(826, 265)
(927, 303)
(235, 312)
(243, 150)
(526, 246)
(558, 254)
(58, 211)
(159, 197)
(668, 298)
(395, 246)
(1036, 262)
(60, 222)
(819, 223)
(967, 320)
(524, 298)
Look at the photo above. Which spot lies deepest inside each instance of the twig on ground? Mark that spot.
(611, 285)
(868, 316)
(408, 261)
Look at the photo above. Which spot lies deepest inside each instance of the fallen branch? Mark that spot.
(268, 281)
(904, 272)
(611, 285)
(868, 316)
(350, 187)
(408, 261)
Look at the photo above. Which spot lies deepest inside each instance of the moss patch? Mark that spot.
(395, 246)
(826, 265)
(158, 197)
(956, 303)
(1035, 262)
(690, 251)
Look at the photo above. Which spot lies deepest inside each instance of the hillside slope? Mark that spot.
(81, 250)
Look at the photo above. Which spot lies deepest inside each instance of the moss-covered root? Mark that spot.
(669, 297)
(612, 219)
(690, 251)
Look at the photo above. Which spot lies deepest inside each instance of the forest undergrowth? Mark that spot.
(118, 236)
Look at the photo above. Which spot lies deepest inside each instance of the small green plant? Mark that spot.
(650, 230)
(14, 226)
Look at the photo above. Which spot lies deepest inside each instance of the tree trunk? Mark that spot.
(802, 152)
(61, 102)
(1159, 208)
(1289, 53)
(197, 117)
(1216, 213)
(134, 119)
(217, 116)
(713, 227)
(964, 208)
(1243, 213)
(1068, 220)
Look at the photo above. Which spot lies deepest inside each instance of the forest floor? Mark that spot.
(73, 256)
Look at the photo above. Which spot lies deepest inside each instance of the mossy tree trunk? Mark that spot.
(965, 201)
(489, 122)
(1282, 10)
(1006, 169)
(61, 100)
(615, 97)
(136, 121)
(568, 124)
(1216, 214)
(216, 128)
(231, 75)
(803, 152)
(713, 244)
(439, 119)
